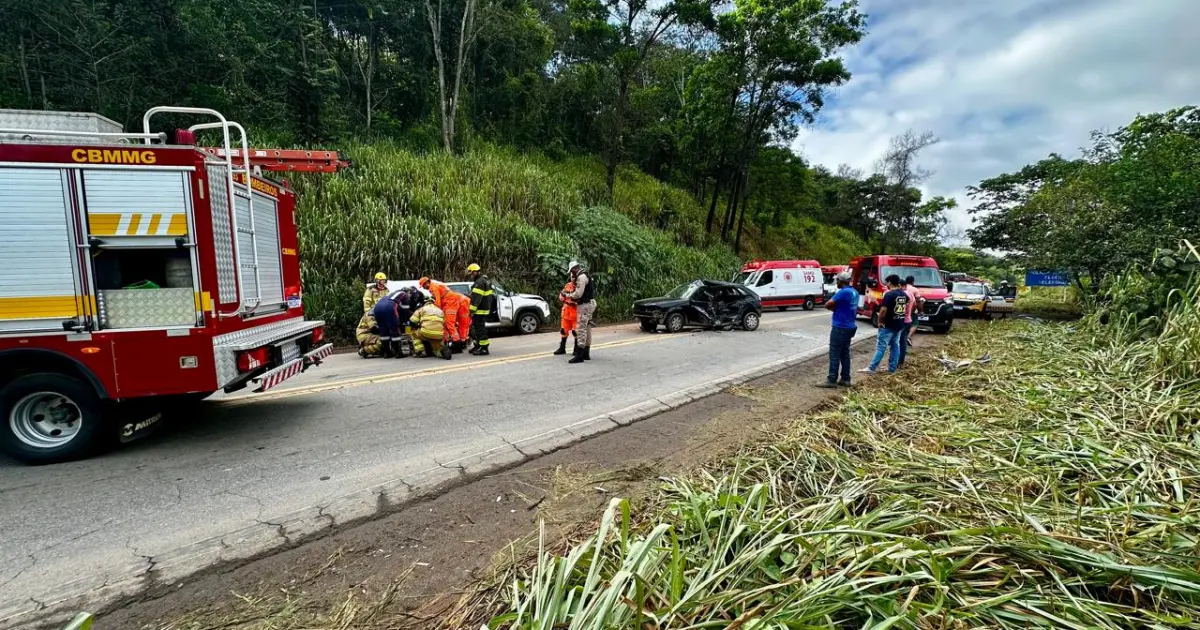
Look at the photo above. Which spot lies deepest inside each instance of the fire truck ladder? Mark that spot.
(289, 160)
(230, 170)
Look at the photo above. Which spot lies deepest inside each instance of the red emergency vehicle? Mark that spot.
(133, 270)
(829, 274)
(868, 274)
(783, 284)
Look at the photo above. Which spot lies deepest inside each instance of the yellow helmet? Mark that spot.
(471, 268)
(381, 277)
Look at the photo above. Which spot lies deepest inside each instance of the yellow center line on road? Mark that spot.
(393, 376)
(387, 378)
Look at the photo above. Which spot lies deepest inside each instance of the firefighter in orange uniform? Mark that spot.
(569, 317)
(457, 310)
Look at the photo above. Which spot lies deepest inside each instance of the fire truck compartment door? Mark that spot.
(266, 241)
(136, 203)
(37, 273)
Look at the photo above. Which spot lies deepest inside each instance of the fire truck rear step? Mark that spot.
(280, 374)
(252, 338)
(226, 347)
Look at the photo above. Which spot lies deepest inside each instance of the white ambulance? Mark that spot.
(783, 284)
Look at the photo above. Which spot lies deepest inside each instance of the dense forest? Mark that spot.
(702, 94)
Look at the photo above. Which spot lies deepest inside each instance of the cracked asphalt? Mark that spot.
(238, 461)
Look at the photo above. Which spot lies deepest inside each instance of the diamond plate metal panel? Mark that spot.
(149, 308)
(56, 121)
(225, 361)
(218, 200)
(226, 347)
(290, 351)
(265, 334)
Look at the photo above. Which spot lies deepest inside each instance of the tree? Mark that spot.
(1003, 218)
(1132, 192)
(448, 97)
(903, 221)
(774, 61)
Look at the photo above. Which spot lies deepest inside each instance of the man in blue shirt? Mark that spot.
(892, 314)
(844, 305)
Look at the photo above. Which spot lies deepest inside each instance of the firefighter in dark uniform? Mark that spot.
(387, 317)
(482, 303)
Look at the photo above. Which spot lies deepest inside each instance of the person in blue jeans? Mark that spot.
(892, 314)
(844, 305)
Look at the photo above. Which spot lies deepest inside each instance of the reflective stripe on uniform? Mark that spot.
(481, 291)
(475, 311)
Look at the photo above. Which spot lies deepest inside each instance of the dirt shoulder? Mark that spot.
(413, 566)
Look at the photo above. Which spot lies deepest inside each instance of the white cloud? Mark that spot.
(1004, 83)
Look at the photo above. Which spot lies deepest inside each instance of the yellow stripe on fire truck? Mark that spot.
(137, 224)
(39, 307)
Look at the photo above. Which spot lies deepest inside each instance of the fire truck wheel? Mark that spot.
(49, 418)
(875, 317)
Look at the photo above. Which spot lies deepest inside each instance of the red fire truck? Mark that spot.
(868, 273)
(137, 271)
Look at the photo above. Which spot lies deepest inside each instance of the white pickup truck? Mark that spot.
(523, 312)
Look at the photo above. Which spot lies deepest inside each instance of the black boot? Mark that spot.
(480, 351)
(387, 349)
(579, 355)
(562, 346)
(587, 353)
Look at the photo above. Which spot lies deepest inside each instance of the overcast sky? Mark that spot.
(1004, 82)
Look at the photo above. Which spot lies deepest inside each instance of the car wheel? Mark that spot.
(528, 323)
(49, 418)
(649, 325)
(674, 322)
(809, 304)
(750, 321)
(875, 317)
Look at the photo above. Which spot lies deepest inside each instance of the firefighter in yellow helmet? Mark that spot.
(483, 303)
(375, 292)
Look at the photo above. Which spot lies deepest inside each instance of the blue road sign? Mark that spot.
(1047, 278)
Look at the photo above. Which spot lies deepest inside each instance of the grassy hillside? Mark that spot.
(521, 217)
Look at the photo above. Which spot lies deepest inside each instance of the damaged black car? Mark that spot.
(707, 304)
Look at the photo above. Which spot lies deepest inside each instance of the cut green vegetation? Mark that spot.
(1051, 302)
(1052, 486)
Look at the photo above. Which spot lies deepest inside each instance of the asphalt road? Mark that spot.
(340, 428)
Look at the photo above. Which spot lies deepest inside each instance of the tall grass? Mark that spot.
(522, 218)
(1150, 317)
(1055, 487)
